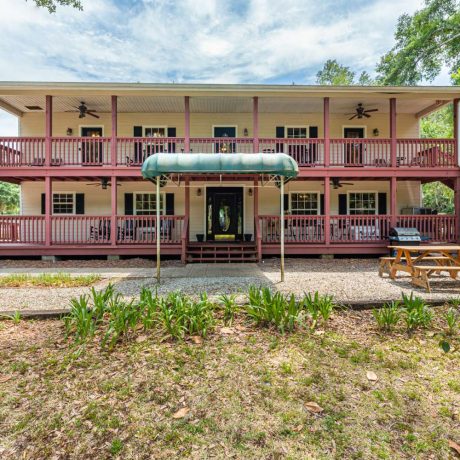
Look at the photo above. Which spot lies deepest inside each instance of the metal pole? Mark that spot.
(282, 227)
(158, 229)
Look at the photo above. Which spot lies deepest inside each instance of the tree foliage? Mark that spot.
(425, 42)
(334, 73)
(438, 196)
(9, 198)
(439, 124)
(51, 5)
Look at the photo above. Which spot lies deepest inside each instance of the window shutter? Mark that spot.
(79, 203)
(342, 204)
(171, 145)
(313, 132)
(137, 131)
(279, 147)
(129, 202)
(286, 202)
(138, 155)
(382, 203)
(43, 201)
(170, 204)
(321, 204)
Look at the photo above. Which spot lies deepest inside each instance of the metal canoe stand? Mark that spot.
(158, 227)
(282, 227)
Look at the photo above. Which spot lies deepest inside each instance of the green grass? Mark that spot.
(59, 280)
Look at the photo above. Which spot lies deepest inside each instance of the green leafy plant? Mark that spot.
(15, 317)
(452, 320)
(318, 306)
(417, 312)
(229, 308)
(388, 316)
(80, 320)
(149, 305)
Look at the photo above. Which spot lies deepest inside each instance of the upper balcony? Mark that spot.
(309, 152)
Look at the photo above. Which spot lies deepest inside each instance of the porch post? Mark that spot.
(255, 123)
(456, 109)
(327, 135)
(187, 124)
(282, 227)
(327, 211)
(393, 202)
(257, 237)
(187, 218)
(113, 141)
(158, 228)
(457, 208)
(48, 206)
(393, 144)
(48, 128)
(113, 225)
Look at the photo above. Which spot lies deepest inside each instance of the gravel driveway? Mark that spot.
(347, 280)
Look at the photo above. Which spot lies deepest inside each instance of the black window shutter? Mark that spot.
(313, 132)
(279, 147)
(171, 145)
(79, 203)
(342, 204)
(321, 204)
(138, 154)
(43, 203)
(286, 202)
(137, 131)
(129, 201)
(382, 203)
(170, 204)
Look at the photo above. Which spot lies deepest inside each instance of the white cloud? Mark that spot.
(194, 40)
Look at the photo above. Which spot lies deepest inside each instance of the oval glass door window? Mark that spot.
(224, 217)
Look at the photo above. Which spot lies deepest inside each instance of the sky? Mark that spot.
(194, 41)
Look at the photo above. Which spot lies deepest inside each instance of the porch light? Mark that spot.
(250, 192)
(376, 132)
(69, 131)
(245, 132)
(198, 192)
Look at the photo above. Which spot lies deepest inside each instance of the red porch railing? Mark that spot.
(306, 152)
(142, 229)
(437, 228)
(84, 151)
(297, 229)
(80, 230)
(360, 152)
(22, 151)
(221, 145)
(360, 229)
(426, 153)
(22, 229)
(132, 151)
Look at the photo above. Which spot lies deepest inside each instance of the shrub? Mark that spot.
(318, 306)
(229, 308)
(417, 312)
(452, 320)
(388, 316)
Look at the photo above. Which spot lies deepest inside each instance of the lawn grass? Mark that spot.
(58, 280)
(243, 391)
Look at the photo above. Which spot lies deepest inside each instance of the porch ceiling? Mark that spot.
(214, 104)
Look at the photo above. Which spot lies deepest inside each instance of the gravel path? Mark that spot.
(346, 279)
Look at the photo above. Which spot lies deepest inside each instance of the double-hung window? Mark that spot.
(296, 132)
(305, 203)
(145, 204)
(362, 203)
(63, 203)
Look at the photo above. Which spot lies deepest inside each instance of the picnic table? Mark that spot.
(413, 260)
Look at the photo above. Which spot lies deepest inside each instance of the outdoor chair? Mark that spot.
(101, 232)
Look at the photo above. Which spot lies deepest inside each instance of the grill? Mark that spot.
(404, 236)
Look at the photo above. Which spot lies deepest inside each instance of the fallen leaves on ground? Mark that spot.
(181, 413)
(313, 407)
(454, 446)
(371, 376)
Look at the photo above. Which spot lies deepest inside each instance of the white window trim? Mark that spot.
(364, 191)
(80, 127)
(224, 126)
(162, 198)
(74, 207)
(318, 211)
(364, 127)
(144, 127)
(307, 128)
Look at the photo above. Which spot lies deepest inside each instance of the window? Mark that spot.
(154, 131)
(145, 204)
(362, 203)
(63, 203)
(296, 132)
(304, 203)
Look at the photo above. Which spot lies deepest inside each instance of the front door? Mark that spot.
(353, 150)
(91, 149)
(224, 213)
(224, 145)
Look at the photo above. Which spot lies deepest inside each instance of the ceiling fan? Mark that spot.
(82, 110)
(104, 183)
(360, 112)
(335, 182)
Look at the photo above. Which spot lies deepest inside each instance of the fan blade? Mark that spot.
(93, 115)
(372, 110)
(354, 116)
(366, 115)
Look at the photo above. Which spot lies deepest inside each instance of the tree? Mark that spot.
(439, 124)
(334, 73)
(51, 5)
(438, 196)
(425, 42)
(9, 198)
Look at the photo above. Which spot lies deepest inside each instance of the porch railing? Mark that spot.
(22, 229)
(436, 228)
(132, 151)
(360, 229)
(297, 229)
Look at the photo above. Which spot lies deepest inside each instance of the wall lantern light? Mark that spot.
(250, 192)
(69, 131)
(198, 192)
(245, 132)
(376, 132)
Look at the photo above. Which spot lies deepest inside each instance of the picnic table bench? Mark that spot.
(387, 261)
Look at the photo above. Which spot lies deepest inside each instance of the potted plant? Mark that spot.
(200, 237)
(248, 237)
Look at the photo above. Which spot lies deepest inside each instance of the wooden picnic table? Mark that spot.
(411, 259)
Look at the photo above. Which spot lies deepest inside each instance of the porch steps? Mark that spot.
(221, 252)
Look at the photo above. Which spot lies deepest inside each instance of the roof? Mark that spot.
(276, 164)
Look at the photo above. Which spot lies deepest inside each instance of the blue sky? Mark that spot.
(254, 41)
